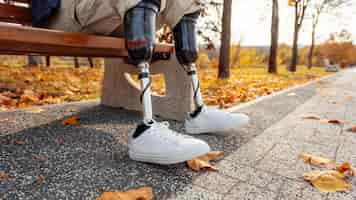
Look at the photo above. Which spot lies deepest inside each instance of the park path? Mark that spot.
(267, 167)
(261, 160)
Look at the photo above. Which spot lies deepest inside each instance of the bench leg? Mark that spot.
(119, 90)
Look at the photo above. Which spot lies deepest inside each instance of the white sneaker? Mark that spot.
(160, 145)
(211, 120)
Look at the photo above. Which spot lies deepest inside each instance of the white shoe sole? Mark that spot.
(149, 158)
(198, 131)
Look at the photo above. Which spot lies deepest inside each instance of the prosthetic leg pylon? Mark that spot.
(152, 141)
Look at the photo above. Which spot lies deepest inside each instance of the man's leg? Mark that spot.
(203, 119)
(152, 141)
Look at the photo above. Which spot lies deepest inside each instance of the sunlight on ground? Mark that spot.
(22, 87)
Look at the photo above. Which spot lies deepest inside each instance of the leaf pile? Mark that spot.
(24, 87)
(21, 87)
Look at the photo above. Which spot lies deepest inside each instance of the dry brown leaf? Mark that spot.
(39, 157)
(73, 120)
(335, 121)
(202, 162)
(352, 129)
(317, 160)
(345, 168)
(315, 117)
(41, 179)
(328, 181)
(4, 176)
(20, 142)
(144, 193)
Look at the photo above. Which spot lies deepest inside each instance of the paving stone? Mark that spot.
(215, 182)
(251, 175)
(195, 193)
(293, 190)
(245, 191)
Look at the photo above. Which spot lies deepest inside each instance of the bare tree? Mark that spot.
(224, 61)
(272, 64)
(317, 8)
(300, 7)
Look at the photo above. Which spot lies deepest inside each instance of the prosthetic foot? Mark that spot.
(203, 119)
(151, 141)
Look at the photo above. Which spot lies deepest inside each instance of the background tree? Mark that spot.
(224, 61)
(317, 8)
(300, 7)
(272, 64)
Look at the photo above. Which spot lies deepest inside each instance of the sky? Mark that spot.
(251, 23)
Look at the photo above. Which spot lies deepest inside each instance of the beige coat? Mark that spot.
(104, 17)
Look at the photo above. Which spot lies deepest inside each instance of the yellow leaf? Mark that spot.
(328, 181)
(202, 162)
(316, 160)
(292, 94)
(35, 110)
(144, 193)
(315, 117)
(73, 120)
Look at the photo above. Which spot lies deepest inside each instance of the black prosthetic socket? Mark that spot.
(140, 28)
(185, 37)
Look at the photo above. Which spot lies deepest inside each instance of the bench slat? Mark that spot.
(24, 40)
(14, 14)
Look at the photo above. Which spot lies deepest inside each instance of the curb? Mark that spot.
(282, 92)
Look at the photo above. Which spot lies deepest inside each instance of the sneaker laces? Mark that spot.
(168, 133)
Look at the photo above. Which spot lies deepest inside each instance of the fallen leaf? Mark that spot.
(73, 120)
(144, 193)
(335, 121)
(20, 142)
(316, 160)
(345, 167)
(352, 129)
(315, 117)
(292, 94)
(328, 181)
(41, 179)
(35, 110)
(39, 157)
(202, 162)
(3, 176)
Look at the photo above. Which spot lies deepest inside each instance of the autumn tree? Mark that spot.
(272, 64)
(300, 7)
(224, 61)
(316, 9)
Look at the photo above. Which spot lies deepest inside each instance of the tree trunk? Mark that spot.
(272, 65)
(294, 60)
(91, 63)
(311, 50)
(48, 61)
(224, 64)
(76, 62)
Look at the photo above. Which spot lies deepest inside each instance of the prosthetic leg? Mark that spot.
(203, 119)
(152, 141)
(186, 45)
(140, 28)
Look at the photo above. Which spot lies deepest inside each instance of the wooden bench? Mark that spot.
(17, 37)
